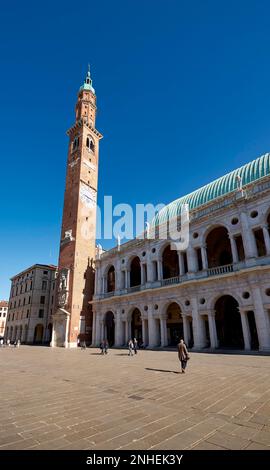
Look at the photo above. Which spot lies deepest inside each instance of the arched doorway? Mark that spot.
(38, 335)
(136, 325)
(49, 338)
(135, 272)
(170, 263)
(228, 323)
(218, 248)
(111, 280)
(110, 328)
(174, 323)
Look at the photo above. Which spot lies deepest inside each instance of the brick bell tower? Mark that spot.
(72, 318)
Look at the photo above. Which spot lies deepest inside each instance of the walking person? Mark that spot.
(106, 346)
(130, 348)
(101, 347)
(18, 343)
(182, 355)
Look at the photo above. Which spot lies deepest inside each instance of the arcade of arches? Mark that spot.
(226, 327)
(218, 252)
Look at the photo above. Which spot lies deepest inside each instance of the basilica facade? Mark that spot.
(215, 294)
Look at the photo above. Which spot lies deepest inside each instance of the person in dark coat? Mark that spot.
(182, 355)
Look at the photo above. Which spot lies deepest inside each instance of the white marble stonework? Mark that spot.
(220, 304)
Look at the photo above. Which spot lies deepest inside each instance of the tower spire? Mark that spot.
(88, 82)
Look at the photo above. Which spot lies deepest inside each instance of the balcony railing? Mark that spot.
(134, 289)
(216, 271)
(171, 280)
(108, 294)
(228, 268)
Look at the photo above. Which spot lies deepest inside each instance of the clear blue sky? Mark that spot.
(183, 97)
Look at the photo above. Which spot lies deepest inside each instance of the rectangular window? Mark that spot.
(27, 314)
(29, 299)
(15, 304)
(19, 303)
(44, 285)
(13, 316)
(40, 313)
(45, 272)
(52, 299)
(24, 301)
(31, 285)
(53, 285)
(9, 317)
(240, 247)
(199, 259)
(4, 314)
(21, 289)
(42, 299)
(260, 243)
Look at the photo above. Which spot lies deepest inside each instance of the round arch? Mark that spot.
(136, 325)
(111, 279)
(218, 247)
(38, 334)
(174, 323)
(228, 323)
(135, 271)
(268, 221)
(170, 262)
(109, 327)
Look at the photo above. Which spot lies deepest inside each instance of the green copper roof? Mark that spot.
(226, 184)
(88, 82)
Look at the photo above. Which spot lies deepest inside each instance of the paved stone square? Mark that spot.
(73, 399)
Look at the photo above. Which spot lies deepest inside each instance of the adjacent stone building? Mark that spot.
(216, 293)
(3, 316)
(31, 301)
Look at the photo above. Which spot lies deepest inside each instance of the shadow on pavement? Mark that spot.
(162, 370)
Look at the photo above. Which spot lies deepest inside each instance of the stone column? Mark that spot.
(198, 326)
(152, 329)
(160, 270)
(98, 332)
(204, 257)
(212, 330)
(143, 330)
(163, 330)
(126, 332)
(102, 328)
(262, 320)
(233, 249)
(181, 263)
(142, 275)
(248, 238)
(127, 279)
(246, 331)
(66, 332)
(96, 280)
(150, 271)
(266, 239)
(186, 328)
(191, 260)
(118, 339)
(146, 338)
(94, 329)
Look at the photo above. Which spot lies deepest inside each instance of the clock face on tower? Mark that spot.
(88, 195)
